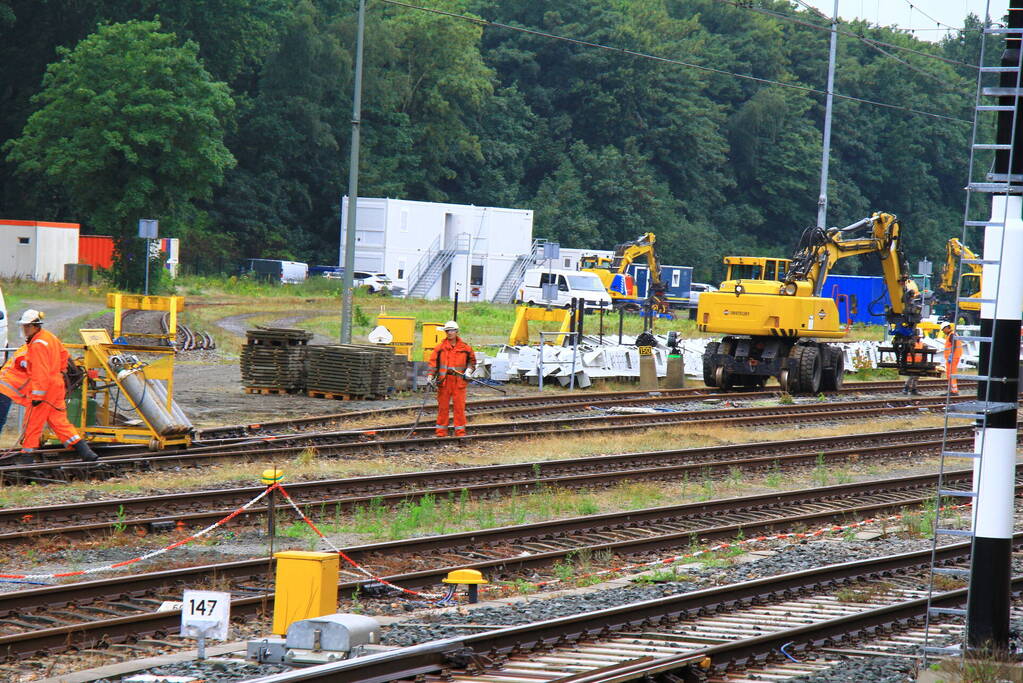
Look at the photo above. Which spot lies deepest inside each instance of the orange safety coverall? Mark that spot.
(14, 377)
(458, 357)
(47, 359)
(953, 352)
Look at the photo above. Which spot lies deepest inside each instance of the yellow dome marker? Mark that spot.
(467, 577)
(271, 476)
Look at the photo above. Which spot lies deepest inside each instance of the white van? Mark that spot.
(572, 284)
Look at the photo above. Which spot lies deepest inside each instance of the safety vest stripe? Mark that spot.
(41, 341)
(38, 392)
(13, 388)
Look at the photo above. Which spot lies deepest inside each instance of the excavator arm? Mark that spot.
(642, 248)
(821, 249)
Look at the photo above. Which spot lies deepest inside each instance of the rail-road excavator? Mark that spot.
(614, 273)
(775, 328)
(971, 280)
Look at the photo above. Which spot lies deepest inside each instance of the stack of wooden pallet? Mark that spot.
(273, 360)
(349, 371)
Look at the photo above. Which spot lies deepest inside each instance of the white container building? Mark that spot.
(432, 250)
(37, 250)
(568, 258)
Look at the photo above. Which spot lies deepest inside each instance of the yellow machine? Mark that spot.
(969, 311)
(118, 378)
(139, 378)
(560, 317)
(614, 273)
(772, 327)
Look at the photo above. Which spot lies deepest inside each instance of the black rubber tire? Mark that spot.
(708, 364)
(809, 370)
(795, 355)
(833, 372)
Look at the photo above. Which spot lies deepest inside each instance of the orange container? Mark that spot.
(96, 250)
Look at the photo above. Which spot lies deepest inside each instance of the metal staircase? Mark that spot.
(506, 292)
(429, 269)
(991, 397)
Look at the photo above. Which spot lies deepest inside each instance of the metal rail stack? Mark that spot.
(273, 360)
(349, 371)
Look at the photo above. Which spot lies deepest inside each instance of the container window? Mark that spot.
(676, 278)
(401, 273)
(476, 276)
(24, 240)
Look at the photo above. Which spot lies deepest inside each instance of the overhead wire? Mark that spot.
(869, 42)
(939, 23)
(669, 60)
(850, 34)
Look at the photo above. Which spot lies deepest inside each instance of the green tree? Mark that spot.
(130, 125)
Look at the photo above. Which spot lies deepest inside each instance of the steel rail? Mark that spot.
(450, 656)
(841, 498)
(328, 444)
(481, 406)
(488, 481)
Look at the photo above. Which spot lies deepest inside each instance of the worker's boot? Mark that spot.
(84, 452)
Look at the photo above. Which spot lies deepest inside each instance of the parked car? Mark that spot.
(571, 284)
(695, 289)
(375, 282)
(277, 271)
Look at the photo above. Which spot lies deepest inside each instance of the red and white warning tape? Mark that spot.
(147, 556)
(185, 541)
(353, 563)
(835, 528)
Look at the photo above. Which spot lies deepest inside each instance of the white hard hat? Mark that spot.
(451, 325)
(31, 316)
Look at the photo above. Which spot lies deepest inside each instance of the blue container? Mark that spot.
(865, 295)
(677, 278)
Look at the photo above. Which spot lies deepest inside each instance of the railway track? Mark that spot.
(680, 638)
(60, 466)
(86, 519)
(120, 609)
(542, 401)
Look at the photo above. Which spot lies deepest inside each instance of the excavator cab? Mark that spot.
(756, 268)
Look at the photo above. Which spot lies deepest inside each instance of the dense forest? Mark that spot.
(229, 120)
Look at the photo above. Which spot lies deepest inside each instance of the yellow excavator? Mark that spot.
(969, 311)
(614, 274)
(774, 328)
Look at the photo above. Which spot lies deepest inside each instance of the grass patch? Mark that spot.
(868, 592)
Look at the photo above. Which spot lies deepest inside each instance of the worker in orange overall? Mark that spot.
(450, 362)
(47, 360)
(916, 357)
(953, 352)
(14, 383)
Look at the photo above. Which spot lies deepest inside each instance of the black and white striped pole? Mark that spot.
(998, 369)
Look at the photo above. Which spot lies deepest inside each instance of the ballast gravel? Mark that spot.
(789, 558)
(211, 671)
(875, 670)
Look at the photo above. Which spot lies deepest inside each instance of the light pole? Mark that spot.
(353, 185)
(822, 200)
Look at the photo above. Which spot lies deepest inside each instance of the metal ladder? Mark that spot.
(506, 291)
(429, 269)
(981, 409)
